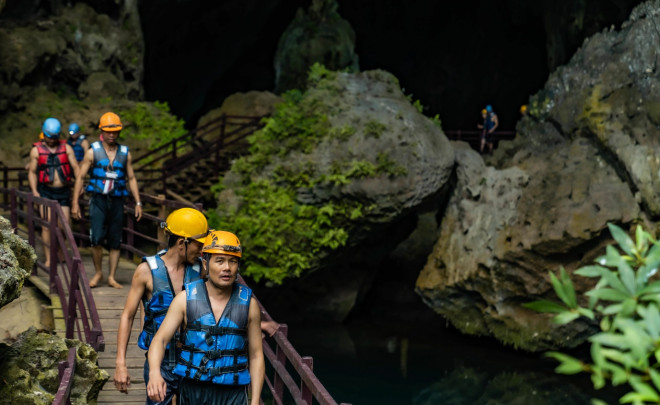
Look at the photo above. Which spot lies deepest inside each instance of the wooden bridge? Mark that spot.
(92, 315)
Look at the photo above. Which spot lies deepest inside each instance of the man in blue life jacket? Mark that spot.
(110, 181)
(155, 283)
(77, 141)
(51, 170)
(222, 352)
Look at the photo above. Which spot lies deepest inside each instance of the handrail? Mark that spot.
(475, 135)
(68, 278)
(66, 370)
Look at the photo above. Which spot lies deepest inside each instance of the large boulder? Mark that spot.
(16, 260)
(29, 370)
(585, 155)
(335, 169)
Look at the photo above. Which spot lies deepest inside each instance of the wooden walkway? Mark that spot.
(110, 303)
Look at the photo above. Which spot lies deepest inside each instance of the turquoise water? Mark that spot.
(363, 364)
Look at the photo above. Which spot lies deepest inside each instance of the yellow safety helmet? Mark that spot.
(188, 223)
(222, 242)
(110, 122)
(484, 111)
(523, 108)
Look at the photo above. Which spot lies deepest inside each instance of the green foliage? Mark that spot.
(627, 301)
(284, 238)
(154, 123)
(374, 128)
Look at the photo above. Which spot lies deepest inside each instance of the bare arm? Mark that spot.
(496, 122)
(86, 163)
(255, 352)
(32, 171)
(139, 286)
(72, 160)
(157, 388)
(85, 145)
(133, 185)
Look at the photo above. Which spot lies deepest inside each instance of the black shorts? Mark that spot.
(106, 218)
(60, 194)
(204, 392)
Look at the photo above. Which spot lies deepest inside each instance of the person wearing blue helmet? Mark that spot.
(489, 126)
(51, 170)
(77, 141)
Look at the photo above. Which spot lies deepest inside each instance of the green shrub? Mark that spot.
(154, 122)
(625, 300)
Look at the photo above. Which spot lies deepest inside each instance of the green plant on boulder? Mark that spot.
(625, 300)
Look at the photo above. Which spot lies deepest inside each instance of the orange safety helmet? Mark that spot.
(110, 122)
(222, 242)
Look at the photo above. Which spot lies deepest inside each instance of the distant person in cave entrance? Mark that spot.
(51, 170)
(111, 179)
(490, 124)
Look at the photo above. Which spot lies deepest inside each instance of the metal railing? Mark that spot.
(69, 281)
(475, 135)
(210, 140)
(67, 276)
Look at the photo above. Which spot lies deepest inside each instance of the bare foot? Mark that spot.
(95, 280)
(114, 284)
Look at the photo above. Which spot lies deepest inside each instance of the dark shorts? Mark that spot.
(106, 217)
(203, 392)
(172, 380)
(60, 194)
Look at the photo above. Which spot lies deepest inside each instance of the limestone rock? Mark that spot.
(318, 35)
(16, 261)
(585, 155)
(248, 103)
(29, 369)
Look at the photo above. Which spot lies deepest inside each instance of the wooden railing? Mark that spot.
(66, 370)
(475, 135)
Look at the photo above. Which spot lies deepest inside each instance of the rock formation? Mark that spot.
(29, 365)
(319, 35)
(585, 155)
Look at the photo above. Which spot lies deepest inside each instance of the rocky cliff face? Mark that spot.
(587, 154)
(29, 362)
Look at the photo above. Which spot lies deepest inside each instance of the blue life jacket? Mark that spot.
(490, 123)
(215, 352)
(77, 147)
(108, 177)
(162, 295)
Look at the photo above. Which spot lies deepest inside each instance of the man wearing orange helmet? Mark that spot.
(222, 352)
(155, 283)
(110, 181)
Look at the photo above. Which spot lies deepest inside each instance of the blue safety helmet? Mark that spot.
(51, 128)
(489, 108)
(73, 128)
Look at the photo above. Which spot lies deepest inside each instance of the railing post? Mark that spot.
(305, 392)
(219, 144)
(14, 211)
(280, 356)
(73, 289)
(30, 219)
(130, 234)
(54, 250)
(5, 181)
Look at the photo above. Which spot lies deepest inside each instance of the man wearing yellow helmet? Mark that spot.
(111, 179)
(155, 283)
(222, 353)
